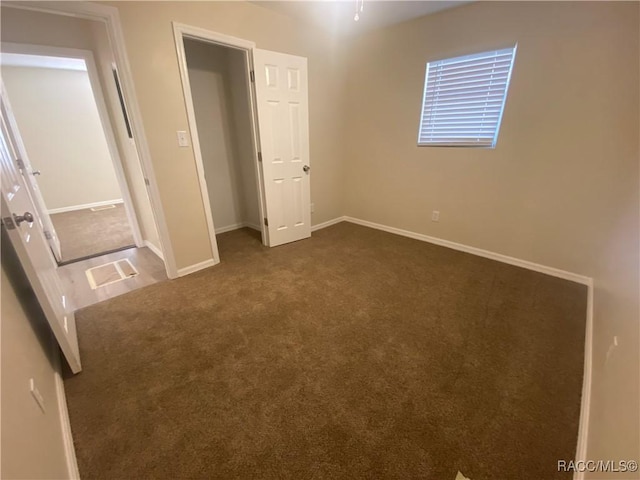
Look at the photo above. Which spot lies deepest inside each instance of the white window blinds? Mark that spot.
(464, 98)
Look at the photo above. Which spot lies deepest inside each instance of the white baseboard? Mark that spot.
(196, 267)
(536, 267)
(211, 262)
(154, 249)
(253, 226)
(328, 223)
(63, 411)
(237, 226)
(585, 404)
(229, 228)
(73, 208)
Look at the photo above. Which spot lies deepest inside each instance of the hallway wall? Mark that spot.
(60, 125)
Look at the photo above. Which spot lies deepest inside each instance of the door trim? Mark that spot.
(180, 31)
(105, 121)
(110, 17)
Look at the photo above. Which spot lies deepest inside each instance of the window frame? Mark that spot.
(494, 142)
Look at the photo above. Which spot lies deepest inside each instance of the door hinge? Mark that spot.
(252, 75)
(146, 182)
(266, 222)
(259, 156)
(47, 235)
(20, 163)
(8, 223)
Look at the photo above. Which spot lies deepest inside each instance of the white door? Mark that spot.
(19, 218)
(21, 159)
(283, 121)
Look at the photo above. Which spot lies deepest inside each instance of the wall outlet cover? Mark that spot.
(183, 139)
(35, 393)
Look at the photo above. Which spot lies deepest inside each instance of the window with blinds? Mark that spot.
(464, 99)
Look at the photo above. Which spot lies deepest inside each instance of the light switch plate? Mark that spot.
(183, 140)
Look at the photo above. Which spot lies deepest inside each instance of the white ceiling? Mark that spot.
(41, 61)
(337, 16)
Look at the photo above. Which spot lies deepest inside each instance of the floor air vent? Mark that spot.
(109, 273)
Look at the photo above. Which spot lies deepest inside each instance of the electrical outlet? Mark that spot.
(35, 393)
(435, 216)
(313, 207)
(183, 140)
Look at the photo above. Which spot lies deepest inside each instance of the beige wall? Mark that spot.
(223, 131)
(32, 442)
(560, 189)
(61, 129)
(23, 26)
(152, 53)
(27, 27)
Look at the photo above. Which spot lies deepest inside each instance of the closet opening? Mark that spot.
(218, 80)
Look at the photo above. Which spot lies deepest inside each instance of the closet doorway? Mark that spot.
(249, 122)
(222, 108)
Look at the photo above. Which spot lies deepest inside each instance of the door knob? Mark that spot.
(35, 172)
(306, 168)
(27, 217)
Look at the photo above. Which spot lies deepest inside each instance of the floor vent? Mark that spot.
(109, 273)
(102, 207)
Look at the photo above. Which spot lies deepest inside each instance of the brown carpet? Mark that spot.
(354, 354)
(83, 233)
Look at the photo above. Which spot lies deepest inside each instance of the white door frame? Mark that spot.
(180, 31)
(110, 17)
(98, 95)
